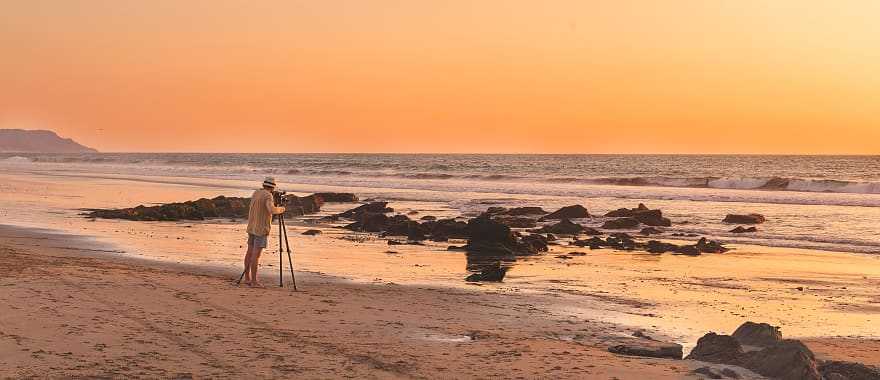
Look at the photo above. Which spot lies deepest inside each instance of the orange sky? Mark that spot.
(678, 76)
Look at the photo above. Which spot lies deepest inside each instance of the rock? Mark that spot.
(456, 248)
(447, 228)
(488, 237)
(643, 215)
(590, 231)
(564, 227)
(655, 246)
(515, 221)
(568, 212)
(520, 211)
(428, 217)
(413, 212)
(743, 230)
(491, 274)
(312, 232)
(219, 207)
(710, 246)
(757, 334)
(373, 208)
(727, 372)
(648, 348)
(689, 250)
(708, 372)
(337, 197)
(496, 210)
(593, 242)
(744, 219)
(577, 253)
(401, 225)
(848, 371)
(298, 206)
(369, 222)
(621, 242)
(786, 360)
(621, 224)
(714, 348)
(537, 242)
(395, 242)
(648, 231)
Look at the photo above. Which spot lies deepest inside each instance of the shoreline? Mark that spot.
(87, 313)
(74, 314)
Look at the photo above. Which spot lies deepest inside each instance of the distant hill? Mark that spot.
(38, 141)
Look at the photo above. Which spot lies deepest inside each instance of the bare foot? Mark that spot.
(256, 284)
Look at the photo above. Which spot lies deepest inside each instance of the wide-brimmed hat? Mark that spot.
(269, 181)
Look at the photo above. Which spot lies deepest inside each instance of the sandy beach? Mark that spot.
(71, 314)
(110, 298)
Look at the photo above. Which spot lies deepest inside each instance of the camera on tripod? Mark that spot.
(279, 197)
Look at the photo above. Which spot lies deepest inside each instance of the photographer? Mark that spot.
(259, 225)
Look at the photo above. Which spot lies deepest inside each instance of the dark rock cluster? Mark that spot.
(760, 348)
(219, 207)
(642, 215)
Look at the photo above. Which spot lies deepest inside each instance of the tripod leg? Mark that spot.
(239, 278)
(289, 257)
(280, 257)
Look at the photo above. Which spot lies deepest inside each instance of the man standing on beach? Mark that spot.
(259, 225)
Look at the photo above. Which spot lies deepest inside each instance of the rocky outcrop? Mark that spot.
(643, 214)
(568, 212)
(655, 246)
(744, 219)
(219, 207)
(373, 207)
(445, 229)
(757, 334)
(621, 224)
(780, 359)
(538, 243)
(743, 230)
(564, 227)
(648, 348)
(369, 222)
(488, 237)
(839, 370)
(715, 348)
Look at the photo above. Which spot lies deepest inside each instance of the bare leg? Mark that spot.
(255, 263)
(247, 265)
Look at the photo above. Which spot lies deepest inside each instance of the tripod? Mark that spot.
(282, 241)
(282, 231)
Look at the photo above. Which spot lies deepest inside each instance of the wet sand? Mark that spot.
(77, 313)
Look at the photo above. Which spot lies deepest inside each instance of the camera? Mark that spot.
(279, 197)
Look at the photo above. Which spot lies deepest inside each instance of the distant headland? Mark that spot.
(38, 141)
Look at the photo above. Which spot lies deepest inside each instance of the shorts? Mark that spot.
(258, 241)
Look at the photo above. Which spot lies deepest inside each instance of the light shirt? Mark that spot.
(260, 213)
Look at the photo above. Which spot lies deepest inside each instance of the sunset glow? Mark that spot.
(446, 76)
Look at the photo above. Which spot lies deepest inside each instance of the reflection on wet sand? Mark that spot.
(490, 268)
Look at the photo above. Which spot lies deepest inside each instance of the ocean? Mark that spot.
(814, 202)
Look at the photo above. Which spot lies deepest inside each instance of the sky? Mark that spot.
(487, 76)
